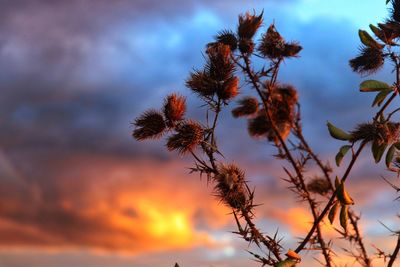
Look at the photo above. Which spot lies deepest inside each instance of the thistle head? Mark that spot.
(229, 88)
(369, 61)
(174, 109)
(189, 134)
(149, 125)
(228, 38)
(230, 185)
(249, 24)
(247, 107)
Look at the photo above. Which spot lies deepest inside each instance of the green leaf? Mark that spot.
(340, 155)
(338, 133)
(380, 97)
(389, 155)
(378, 150)
(374, 86)
(367, 40)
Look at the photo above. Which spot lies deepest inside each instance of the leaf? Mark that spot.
(344, 216)
(338, 133)
(340, 155)
(378, 150)
(397, 145)
(389, 155)
(380, 97)
(367, 40)
(343, 196)
(332, 213)
(373, 86)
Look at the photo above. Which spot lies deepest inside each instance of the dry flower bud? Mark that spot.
(247, 107)
(189, 134)
(229, 88)
(291, 49)
(219, 65)
(230, 186)
(246, 46)
(369, 61)
(272, 44)
(319, 186)
(228, 38)
(201, 84)
(149, 125)
(260, 125)
(174, 109)
(248, 25)
(382, 133)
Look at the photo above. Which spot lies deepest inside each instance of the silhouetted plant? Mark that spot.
(273, 115)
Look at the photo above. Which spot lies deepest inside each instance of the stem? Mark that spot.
(395, 252)
(290, 158)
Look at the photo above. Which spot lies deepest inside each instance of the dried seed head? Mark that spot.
(286, 93)
(247, 107)
(248, 25)
(219, 66)
(229, 88)
(230, 185)
(259, 126)
(272, 44)
(246, 46)
(227, 38)
(395, 10)
(149, 125)
(369, 61)
(201, 83)
(291, 49)
(382, 133)
(319, 186)
(174, 109)
(188, 136)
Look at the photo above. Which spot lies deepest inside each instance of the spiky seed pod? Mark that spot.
(319, 186)
(369, 61)
(286, 93)
(259, 126)
(229, 88)
(395, 10)
(248, 25)
(272, 44)
(228, 38)
(391, 30)
(219, 66)
(365, 132)
(382, 133)
(230, 185)
(246, 46)
(188, 136)
(174, 109)
(201, 83)
(291, 49)
(149, 125)
(247, 107)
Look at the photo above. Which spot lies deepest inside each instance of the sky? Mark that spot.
(77, 190)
